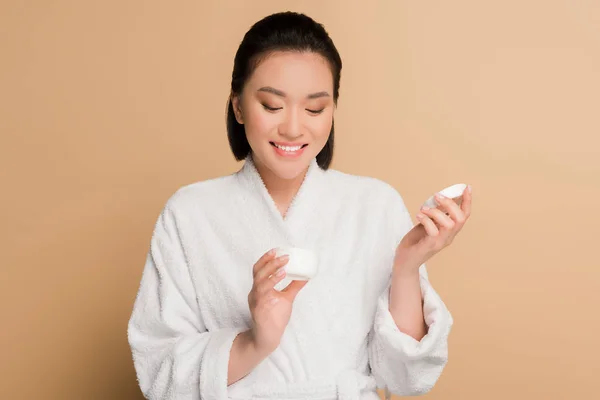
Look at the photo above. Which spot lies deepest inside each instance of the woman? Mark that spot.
(215, 316)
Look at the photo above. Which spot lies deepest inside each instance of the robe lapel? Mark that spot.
(302, 208)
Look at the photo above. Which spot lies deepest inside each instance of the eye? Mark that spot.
(266, 107)
(315, 112)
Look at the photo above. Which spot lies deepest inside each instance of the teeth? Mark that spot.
(288, 148)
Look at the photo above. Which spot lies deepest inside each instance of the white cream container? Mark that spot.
(454, 192)
(302, 264)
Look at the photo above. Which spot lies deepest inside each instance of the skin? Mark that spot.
(289, 98)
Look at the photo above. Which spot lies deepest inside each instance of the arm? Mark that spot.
(244, 357)
(174, 355)
(406, 304)
(408, 347)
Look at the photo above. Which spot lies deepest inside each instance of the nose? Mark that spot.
(291, 127)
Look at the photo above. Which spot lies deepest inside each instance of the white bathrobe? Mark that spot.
(341, 341)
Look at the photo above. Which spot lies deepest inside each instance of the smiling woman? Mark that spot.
(213, 317)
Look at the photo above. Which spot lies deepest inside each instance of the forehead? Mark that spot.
(295, 73)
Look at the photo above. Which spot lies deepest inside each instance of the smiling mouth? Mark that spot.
(289, 148)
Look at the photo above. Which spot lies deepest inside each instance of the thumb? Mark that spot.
(291, 291)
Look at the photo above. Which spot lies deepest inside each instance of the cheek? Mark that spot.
(321, 126)
(259, 123)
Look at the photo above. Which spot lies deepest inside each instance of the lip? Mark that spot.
(288, 154)
(289, 144)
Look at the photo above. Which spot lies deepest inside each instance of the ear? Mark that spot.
(237, 110)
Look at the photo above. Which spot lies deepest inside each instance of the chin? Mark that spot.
(285, 169)
(288, 170)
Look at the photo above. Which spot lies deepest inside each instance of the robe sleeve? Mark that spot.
(401, 364)
(174, 355)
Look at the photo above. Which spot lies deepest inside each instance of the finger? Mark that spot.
(269, 283)
(438, 216)
(451, 207)
(447, 204)
(270, 268)
(467, 199)
(292, 290)
(271, 274)
(262, 261)
(430, 228)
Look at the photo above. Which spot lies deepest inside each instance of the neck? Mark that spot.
(281, 190)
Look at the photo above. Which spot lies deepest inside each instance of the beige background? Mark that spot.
(107, 107)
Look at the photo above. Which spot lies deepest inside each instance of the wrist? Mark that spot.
(406, 270)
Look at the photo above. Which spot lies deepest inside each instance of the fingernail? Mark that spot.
(280, 271)
(440, 196)
(469, 188)
(419, 216)
(424, 208)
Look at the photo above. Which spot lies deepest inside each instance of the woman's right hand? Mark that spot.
(270, 309)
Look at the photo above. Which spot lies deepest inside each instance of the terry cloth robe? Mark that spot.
(341, 341)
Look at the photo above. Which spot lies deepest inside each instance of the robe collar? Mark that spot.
(303, 206)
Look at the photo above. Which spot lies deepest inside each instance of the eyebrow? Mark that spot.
(279, 93)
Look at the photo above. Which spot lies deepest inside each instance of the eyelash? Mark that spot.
(314, 112)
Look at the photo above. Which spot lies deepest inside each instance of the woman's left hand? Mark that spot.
(437, 229)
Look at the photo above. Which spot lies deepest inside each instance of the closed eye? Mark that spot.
(314, 112)
(266, 107)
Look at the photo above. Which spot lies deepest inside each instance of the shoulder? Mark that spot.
(374, 200)
(201, 195)
(368, 189)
